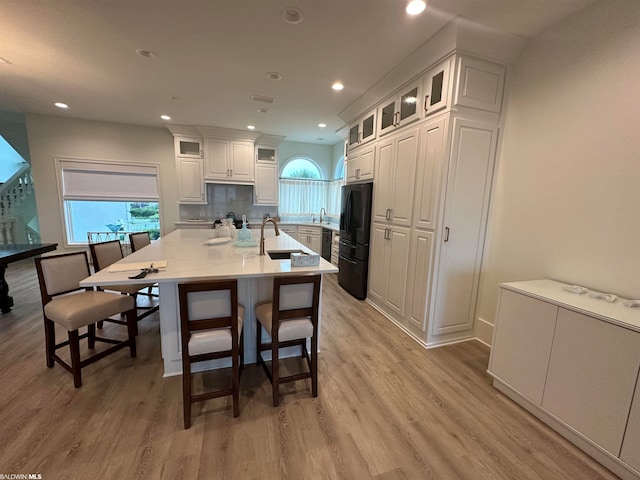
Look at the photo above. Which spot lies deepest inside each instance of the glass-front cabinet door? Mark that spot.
(266, 154)
(363, 130)
(400, 109)
(188, 147)
(437, 87)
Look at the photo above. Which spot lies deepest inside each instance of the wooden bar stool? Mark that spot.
(104, 254)
(211, 327)
(59, 276)
(289, 319)
(139, 240)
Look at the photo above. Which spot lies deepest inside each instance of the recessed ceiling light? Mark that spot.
(337, 86)
(4, 61)
(292, 14)
(165, 117)
(61, 105)
(145, 53)
(251, 127)
(274, 76)
(414, 7)
(322, 125)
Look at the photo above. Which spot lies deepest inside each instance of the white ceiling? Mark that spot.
(212, 55)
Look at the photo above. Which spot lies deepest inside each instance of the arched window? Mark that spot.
(302, 190)
(334, 194)
(301, 167)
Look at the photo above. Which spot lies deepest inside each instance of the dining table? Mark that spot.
(187, 255)
(13, 253)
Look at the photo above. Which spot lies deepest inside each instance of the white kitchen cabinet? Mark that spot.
(419, 279)
(188, 147)
(592, 377)
(360, 164)
(388, 264)
(266, 185)
(433, 136)
(461, 237)
(479, 84)
(229, 161)
(311, 237)
(291, 230)
(266, 154)
(437, 87)
(191, 188)
(630, 453)
(395, 178)
(522, 342)
(572, 361)
(400, 109)
(362, 130)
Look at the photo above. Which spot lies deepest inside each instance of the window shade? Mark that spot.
(87, 180)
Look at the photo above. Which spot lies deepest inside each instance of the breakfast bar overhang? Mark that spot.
(190, 257)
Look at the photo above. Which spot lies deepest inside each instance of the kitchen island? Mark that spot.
(190, 258)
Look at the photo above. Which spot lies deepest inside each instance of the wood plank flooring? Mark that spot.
(387, 409)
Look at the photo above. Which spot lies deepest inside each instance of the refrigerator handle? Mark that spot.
(348, 213)
(342, 257)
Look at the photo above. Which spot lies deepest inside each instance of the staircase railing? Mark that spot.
(15, 190)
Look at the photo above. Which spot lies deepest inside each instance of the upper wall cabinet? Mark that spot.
(400, 109)
(437, 87)
(363, 130)
(266, 154)
(188, 147)
(228, 161)
(479, 84)
(190, 181)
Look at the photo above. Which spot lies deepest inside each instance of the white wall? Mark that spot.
(51, 137)
(567, 199)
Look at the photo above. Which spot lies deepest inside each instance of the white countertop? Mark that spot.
(189, 258)
(551, 291)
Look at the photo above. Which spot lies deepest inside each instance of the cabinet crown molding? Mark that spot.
(230, 133)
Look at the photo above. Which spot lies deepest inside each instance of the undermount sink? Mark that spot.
(282, 254)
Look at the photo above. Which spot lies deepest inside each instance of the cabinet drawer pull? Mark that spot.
(426, 102)
(387, 214)
(395, 119)
(446, 234)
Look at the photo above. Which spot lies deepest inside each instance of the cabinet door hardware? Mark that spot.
(387, 214)
(359, 137)
(395, 119)
(426, 103)
(446, 234)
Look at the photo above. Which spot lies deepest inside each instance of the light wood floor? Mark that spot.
(387, 409)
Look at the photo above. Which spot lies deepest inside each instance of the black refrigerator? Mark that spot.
(355, 228)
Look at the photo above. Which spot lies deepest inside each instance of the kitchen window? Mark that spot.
(101, 196)
(302, 190)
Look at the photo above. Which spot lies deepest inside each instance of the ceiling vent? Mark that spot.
(263, 99)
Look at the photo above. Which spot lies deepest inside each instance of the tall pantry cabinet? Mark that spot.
(431, 195)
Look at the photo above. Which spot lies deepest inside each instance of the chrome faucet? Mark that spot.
(264, 222)
(322, 210)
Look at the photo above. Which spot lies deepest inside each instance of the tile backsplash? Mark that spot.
(223, 199)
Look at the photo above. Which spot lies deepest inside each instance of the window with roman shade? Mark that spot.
(102, 196)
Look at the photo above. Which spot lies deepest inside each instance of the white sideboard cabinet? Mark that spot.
(573, 361)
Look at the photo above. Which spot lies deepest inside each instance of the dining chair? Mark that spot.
(290, 319)
(139, 240)
(211, 328)
(72, 307)
(103, 254)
